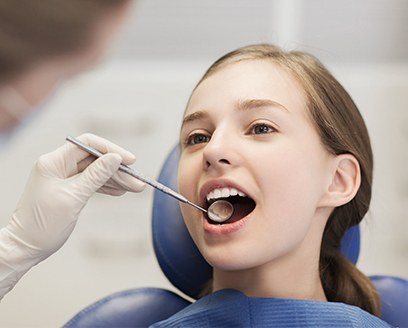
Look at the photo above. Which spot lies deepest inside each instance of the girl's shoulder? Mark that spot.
(231, 308)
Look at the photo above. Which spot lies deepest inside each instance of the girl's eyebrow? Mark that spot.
(198, 115)
(242, 105)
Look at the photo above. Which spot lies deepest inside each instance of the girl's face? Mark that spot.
(247, 130)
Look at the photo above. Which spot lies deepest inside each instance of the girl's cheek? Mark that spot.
(285, 177)
(187, 176)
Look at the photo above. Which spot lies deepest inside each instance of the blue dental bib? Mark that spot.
(231, 308)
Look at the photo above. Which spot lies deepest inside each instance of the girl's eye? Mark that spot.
(197, 138)
(262, 128)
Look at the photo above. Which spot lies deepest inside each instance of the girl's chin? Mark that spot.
(228, 262)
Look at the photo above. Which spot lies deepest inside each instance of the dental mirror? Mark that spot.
(220, 211)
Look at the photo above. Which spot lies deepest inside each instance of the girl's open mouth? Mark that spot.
(243, 205)
(227, 191)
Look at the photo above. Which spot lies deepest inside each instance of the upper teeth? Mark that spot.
(223, 193)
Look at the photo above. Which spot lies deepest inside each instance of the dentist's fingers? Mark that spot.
(102, 145)
(111, 191)
(63, 162)
(82, 165)
(124, 181)
(119, 181)
(96, 175)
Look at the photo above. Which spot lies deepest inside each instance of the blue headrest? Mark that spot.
(176, 252)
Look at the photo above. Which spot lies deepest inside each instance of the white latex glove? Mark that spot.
(60, 184)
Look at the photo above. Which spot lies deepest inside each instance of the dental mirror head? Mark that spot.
(220, 211)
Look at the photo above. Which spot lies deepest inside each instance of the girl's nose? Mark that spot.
(220, 152)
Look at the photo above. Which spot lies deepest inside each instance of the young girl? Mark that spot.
(276, 134)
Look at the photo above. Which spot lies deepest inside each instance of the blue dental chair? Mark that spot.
(187, 270)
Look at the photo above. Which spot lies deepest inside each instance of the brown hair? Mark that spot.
(34, 30)
(342, 130)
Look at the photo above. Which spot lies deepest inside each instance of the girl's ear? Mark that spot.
(345, 181)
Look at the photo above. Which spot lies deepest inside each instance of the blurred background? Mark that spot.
(136, 98)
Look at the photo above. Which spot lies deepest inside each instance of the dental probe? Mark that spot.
(137, 175)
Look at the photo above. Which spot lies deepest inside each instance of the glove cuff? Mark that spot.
(15, 261)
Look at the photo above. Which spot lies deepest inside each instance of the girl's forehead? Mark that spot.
(250, 79)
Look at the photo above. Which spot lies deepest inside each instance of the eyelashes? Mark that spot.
(262, 128)
(254, 129)
(196, 138)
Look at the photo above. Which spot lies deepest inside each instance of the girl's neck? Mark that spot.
(286, 277)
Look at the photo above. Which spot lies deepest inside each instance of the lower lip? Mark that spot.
(224, 229)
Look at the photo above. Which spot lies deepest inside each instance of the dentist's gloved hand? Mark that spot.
(60, 184)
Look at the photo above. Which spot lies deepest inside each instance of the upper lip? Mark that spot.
(218, 183)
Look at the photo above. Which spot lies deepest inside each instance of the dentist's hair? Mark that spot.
(36, 30)
(343, 131)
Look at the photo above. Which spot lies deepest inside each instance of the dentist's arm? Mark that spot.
(58, 188)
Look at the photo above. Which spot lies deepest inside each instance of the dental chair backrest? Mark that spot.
(187, 270)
